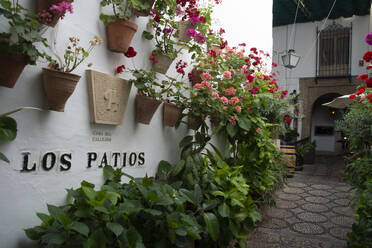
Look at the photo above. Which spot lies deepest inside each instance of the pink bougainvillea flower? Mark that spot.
(234, 100)
(238, 109)
(230, 91)
(206, 76)
(61, 8)
(190, 32)
(224, 100)
(215, 95)
(227, 74)
(232, 71)
(130, 53)
(198, 86)
(369, 39)
(258, 130)
(240, 54)
(120, 69)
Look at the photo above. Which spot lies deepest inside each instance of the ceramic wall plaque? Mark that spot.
(108, 97)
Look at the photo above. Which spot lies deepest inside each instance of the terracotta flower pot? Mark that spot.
(144, 12)
(120, 34)
(11, 67)
(196, 76)
(182, 31)
(171, 114)
(164, 62)
(193, 123)
(145, 108)
(58, 86)
(46, 4)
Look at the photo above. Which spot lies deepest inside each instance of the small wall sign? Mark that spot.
(108, 97)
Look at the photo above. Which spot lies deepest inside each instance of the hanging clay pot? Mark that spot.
(193, 123)
(196, 76)
(11, 67)
(145, 108)
(120, 34)
(164, 62)
(46, 4)
(171, 114)
(144, 12)
(58, 86)
(182, 31)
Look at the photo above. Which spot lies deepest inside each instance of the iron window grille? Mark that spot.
(334, 51)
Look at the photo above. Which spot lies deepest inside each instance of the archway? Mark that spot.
(323, 128)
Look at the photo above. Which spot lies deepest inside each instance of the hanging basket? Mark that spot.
(46, 4)
(11, 67)
(120, 34)
(193, 123)
(171, 114)
(144, 12)
(58, 86)
(182, 31)
(196, 76)
(164, 62)
(145, 108)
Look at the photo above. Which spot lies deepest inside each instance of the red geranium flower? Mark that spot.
(363, 77)
(352, 96)
(369, 83)
(120, 69)
(130, 53)
(368, 56)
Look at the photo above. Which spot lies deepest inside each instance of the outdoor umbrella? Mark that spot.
(340, 102)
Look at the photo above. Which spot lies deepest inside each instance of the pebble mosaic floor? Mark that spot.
(313, 210)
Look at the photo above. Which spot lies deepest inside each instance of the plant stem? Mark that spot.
(19, 109)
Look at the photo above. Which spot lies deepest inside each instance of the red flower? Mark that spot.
(242, 44)
(369, 67)
(352, 96)
(202, 18)
(157, 18)
(368, 56)
(222, 31)
(284, 93)
(363, 77)
(120, 69)
(275, 64)
(369, 83)
(130, 53)
(287, 120)
(369, 97)
(223, 44)
(212, 53)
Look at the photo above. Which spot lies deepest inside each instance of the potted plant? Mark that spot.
(59, 82)
(50, 11)
(119, 29)
(164, 27)
(149, 95)
(17, 47)
(142, 7)
(301, 150)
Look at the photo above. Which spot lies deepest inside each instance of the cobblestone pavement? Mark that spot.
(312, 210)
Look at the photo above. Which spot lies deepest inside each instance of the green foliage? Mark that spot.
(301, 149)
(24, 31)
(120, 9)
(141, 213)
(8, 132)
(147, 84)
(357, 126)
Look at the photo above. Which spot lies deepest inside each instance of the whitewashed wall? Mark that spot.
(304, 40)
(24, 194)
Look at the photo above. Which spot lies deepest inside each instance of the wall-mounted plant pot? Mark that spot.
(182, 31)
(193, 123)
(164, 62)
(196, 76)
(11, 67)
(58, 86)
(145, 108)
(171, 114)
(120, 34)
(46, 4)
(144, 12)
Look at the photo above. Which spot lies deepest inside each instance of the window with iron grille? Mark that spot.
(333, 53)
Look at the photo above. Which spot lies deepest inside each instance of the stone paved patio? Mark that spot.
(312, 210)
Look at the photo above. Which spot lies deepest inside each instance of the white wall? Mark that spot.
(24, 194)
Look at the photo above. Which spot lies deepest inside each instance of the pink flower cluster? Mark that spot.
(199, 37)
(56, 10)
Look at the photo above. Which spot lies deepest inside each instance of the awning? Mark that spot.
(340, 102)
(284, 11)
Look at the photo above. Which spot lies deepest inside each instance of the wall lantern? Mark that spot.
(290, 60)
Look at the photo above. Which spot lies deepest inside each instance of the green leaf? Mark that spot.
(213, 226)
(89, 192)
(55, 211)
(108, 173)
(116, 228)
(34, 233)
(43, 217)
(4, 158)
(244, 123)
(147, 35)
(255, 216)
(224, 210)
(178, 168)
(53, 239)
(163, 170)
(186, 141)
(8, 128)
(80, 228)
(231, 130)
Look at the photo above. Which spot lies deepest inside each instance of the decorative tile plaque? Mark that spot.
(108, 97)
